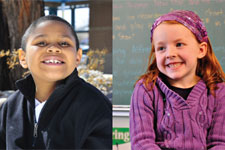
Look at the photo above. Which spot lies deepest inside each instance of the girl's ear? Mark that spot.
(78, 57)
(22, 58)
(203, 50)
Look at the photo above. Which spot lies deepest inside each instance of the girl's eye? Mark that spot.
(64, 44)
(160, 48)
(41, 44)
(179, 44)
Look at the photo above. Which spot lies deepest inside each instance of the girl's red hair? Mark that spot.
(208, 68)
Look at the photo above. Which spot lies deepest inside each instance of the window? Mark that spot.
(77, 16)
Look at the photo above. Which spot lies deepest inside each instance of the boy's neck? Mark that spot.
(44, 90)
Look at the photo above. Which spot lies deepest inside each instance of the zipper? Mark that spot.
(35, 130)
(35, 135)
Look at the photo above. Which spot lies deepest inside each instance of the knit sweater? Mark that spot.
(161, 119)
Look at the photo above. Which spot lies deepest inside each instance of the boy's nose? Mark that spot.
(54, 49)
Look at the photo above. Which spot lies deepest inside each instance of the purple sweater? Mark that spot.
(161, 119)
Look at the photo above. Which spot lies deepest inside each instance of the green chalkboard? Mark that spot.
(132, 20)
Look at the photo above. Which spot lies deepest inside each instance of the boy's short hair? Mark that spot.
(33, 26)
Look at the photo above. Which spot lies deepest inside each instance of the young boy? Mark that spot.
(53, 108)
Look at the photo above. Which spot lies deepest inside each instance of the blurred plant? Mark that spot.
(96, 59)
(101, 81)
(12, 58)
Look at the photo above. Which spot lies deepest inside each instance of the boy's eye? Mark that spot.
(179, 44)
(64, 44)
(41, 44)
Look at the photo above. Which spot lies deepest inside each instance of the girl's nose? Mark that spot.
(171, 52)
(53, 49)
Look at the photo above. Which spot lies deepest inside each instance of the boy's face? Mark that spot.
(51, 53)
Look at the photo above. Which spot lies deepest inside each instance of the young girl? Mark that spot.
(179, 102)
(53, 108)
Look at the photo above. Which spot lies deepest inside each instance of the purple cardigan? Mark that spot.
(161, 119)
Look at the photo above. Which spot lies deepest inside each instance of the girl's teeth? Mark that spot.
(174, 65)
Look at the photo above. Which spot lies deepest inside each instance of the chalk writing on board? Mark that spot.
(119, 61)
(137, 5)
(120, 27)
(119, 52)
(116, 18)
(136, 25)
(207, 20)
(177, 2)
(160, 3)
(218, 23)
(149, 16)
(125, 37)
(140, 49)
(131, 17)
(219, 48)
(211, 12)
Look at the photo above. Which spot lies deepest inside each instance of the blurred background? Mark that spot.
(91, 19)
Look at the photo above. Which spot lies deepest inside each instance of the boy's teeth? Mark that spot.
(53, 61)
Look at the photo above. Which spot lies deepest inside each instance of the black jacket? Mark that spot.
(76, 116)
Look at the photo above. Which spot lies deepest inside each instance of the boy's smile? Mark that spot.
(51, 53)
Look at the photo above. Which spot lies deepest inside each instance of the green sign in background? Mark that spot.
(121, 136)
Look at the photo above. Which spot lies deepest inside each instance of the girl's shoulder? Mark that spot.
(220, 91)
(149, 90)
(140, 84)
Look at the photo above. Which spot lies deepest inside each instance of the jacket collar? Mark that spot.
(27, 85)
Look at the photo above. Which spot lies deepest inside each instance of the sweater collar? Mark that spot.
(177, 100)
(27, 85)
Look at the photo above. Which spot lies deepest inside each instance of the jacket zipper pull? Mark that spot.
(35, 130)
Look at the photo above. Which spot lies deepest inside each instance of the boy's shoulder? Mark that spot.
(14, 100)
(15, 97)
(90, 92)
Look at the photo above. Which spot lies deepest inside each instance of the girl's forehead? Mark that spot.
(171, 31)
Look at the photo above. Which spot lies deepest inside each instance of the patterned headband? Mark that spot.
(188, 19)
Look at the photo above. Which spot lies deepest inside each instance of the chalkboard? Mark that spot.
(132, 21)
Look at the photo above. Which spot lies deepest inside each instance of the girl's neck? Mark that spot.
(184, 83)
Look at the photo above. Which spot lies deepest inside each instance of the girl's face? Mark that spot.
(51, 53)
(177, 52)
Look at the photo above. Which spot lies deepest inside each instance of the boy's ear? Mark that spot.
(203, 50)
(78, 57)
(22, 58)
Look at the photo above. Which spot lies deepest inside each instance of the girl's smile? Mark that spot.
(174, 65)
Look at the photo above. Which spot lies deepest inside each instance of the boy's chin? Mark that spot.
(51, 78)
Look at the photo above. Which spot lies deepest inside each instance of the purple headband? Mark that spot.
(188, 19)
